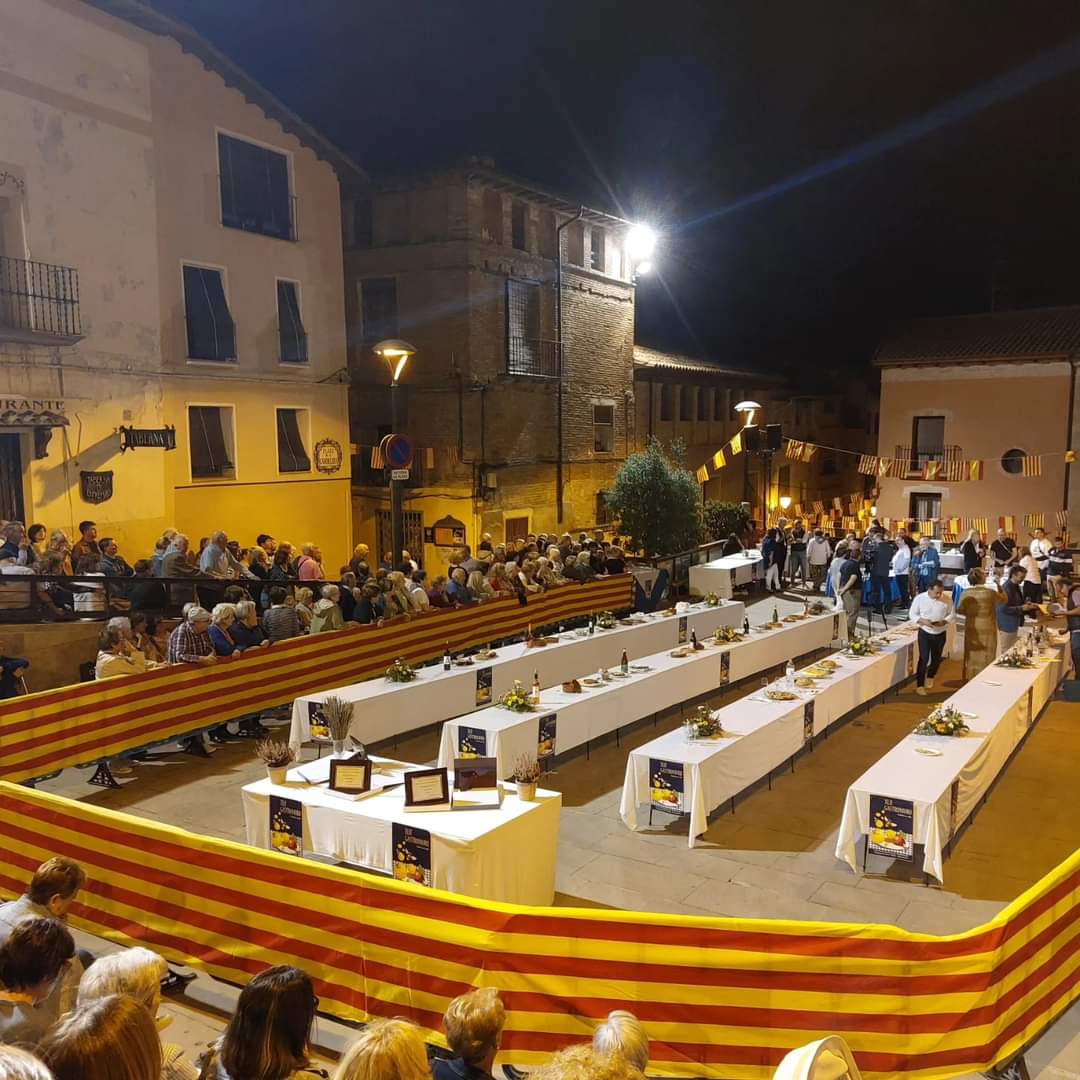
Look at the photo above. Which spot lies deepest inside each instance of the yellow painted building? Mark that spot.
(170, 257)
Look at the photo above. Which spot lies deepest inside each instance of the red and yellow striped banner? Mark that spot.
(719, 997)
(73, 725)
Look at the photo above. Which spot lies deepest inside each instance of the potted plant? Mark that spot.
(526, 774)
(277, 757)
(401, 671)
(337, 712)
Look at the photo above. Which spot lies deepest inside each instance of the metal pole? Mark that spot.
(559, 362)
(397, 523)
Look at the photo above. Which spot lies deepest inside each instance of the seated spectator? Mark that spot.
(473, 1024)
(147, 636)
(112, 562)
(54, 598)
(38, 537)
(615, 563)
(216, 560)
(176, 564)
(136, 973)
(309, 565)
(485, 542)
(117, 656)
(386, 1050)
(246, 631)
(327, 614)
(161, 545)
(359, 563)
(527, 577)
(112, 1038)
(458, 587)
(61, 545)
(259, 563)
(86, 544)
(545, 576)
(573, 570)
(144, 592)
(368, 608)
(437, 594)
(18, 1064)
(407, 561)
(582, 1062)
(280, 621)
(304, 607)
(33, 956)
(12, 669)
(500, 586)
(346, 600)
(478, 587)
(398, 600)
(622, 1033)
(16, 546)
(190, 642)
(415, 584)
(221, 620)
(267, 544)
(267, 1037)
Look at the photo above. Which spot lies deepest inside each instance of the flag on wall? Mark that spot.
(1035, 520)
(794, 449)
(974, 470)
(981, 525)
(703, 474)
(736, 443)
(926, 528)
(1032, 465)
(868, 464)
(955, 525)
(819, 507)
(718, 460)
(1062, 518)
(1008, 523)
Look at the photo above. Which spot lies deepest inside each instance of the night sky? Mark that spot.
(695, 117)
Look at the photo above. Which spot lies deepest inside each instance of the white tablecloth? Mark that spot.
(1005, 701)
(382, 709)
(763, 735)
(720, 576)
(477, 853)
(601, 710)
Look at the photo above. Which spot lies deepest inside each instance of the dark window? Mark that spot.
(575, 244)
(1012, 461)
(828, 465)
(597, 249)
(665, 401)
(493, 224)
(925, 506)
(255, 193)
(378, 300)
(703, 403)
(686, 398)
(362, 230)
(517, 225)
(210, 439)
(783, 477)
(545, 234)
(211, 334)
(719, 403)
(292, 338)
(603, 420)
(927, 439)
(291, 454)
(528, 353)
(602, 511)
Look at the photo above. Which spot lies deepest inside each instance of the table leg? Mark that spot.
(865, 851)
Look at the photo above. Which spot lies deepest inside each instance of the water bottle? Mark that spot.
(789, 673)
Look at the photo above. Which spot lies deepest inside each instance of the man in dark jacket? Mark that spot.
(880, 563)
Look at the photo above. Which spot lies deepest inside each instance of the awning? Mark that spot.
(32, 418)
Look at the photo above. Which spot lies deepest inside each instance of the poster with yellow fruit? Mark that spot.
(412, 854)
(892, 827)
(666, 785)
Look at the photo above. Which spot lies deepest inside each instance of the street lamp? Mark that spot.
(785, 502)
(397, 354)
(747, 410)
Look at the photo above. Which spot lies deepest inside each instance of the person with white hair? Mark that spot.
(327, 612)
(136, 973)
(190, 642)
(622, 1033)
(309, 566)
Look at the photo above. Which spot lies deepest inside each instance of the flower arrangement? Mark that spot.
(1014, 658)
(605, 620)
(944, 720)
(516, 699)
(726, 635)
(701, 724)
(526, 770)
(274, 754)
(858, 646)
(401, 671)
(711, 600)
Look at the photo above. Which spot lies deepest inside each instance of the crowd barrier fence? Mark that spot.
(719, 997)
(74, 725)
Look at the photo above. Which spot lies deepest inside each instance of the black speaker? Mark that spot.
(774, 434)
(751, 440)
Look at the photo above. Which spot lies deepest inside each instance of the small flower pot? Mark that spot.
(526, 792)
(277, 775)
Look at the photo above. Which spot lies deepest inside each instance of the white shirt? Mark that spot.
(1030, 564)
(901, 561)
(924, 606)
(817, 550)
(1040, 550)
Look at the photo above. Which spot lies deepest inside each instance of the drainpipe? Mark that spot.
(559, 360)
(1069, 430)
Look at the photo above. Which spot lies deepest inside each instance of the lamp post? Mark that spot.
(747, 410)
(396, 353)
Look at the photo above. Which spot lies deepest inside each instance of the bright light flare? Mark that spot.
(640, 245)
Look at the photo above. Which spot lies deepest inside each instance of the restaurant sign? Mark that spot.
(96, 487)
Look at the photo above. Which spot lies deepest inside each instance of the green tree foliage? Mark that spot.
(724, 518)
(657, 502)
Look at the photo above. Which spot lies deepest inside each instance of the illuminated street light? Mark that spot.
(785, 501)
(640, 245)
(747, 408)
(396, 353)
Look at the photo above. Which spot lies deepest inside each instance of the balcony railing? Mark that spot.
(915, 459)
(533, 356)
(39, 302)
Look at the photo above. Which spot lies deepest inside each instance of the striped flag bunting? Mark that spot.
(1035, 521)
(702, 474)
(809, 450)
(1032, 465)
(736, 444)
(868, 464)
(1008, 523)
(927, 527)
(718, 997)
(794, 449)
(974, 470)
(981, 525)
(837, 503)
(377, 458)
(955, 525)
(718, 459)
(1061, 517)
(931, 470)
(1070, 457)
(819, 506)
(57, 729)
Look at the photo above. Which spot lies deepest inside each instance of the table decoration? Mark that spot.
(277, 757)
(401, 671)
(711, 600)
(859, 647)
(726, 635)
(943, 720)
(1014, 658)
(526, 774)
(516, 699)
(701, 724)
(605, 621)
(337, 714)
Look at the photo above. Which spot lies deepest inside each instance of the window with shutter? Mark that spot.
(292, 454)
(255, 194)
(211, 333)
(378, 302)
(210, 439)
(292, 338)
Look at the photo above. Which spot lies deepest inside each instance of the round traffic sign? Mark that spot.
(397, 451)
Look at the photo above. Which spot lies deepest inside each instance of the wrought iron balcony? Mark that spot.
(39, 302)
(915, 459)
(532, 356)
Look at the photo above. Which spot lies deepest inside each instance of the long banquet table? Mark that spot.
(759, 735)
(945, 788)
(383, 709)
(721, 576)
(473, 852)
(580, 718)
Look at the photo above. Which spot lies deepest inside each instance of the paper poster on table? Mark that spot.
(954, 806)
(808, 721)
(666, 785)
(483, 686)
(286, 825)
(471, 742)
(892, 827)
(725, 668)
(412, 854)
(732, 573)
(545, 739)
(317, 720)
(683, 620)
(836, 627)
(911, 659)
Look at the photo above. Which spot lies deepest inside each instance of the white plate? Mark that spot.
(929, 751)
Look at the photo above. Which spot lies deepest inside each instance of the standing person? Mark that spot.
(1071, 611)
(732, 546)
(927, 564)
(773, 552)
(1039, 549)
(850, 588)
(972, 550)
(1032, 587)
(881, 560)
(175, 564)
(1011, 609)
(817, 555)
(901, 569)
(931, 613)
(797, 555)
(840, 554)
(1003, 550)
(309, 566)
(87, 543)
(978, 605)
(1060, 568)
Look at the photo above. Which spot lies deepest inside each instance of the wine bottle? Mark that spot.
(746, 624)
(592, 623)
(693, 638)
(775, 615)
(624, 664)
(446, 657)
(534, 697)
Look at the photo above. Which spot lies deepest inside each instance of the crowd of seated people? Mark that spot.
(67, 1015)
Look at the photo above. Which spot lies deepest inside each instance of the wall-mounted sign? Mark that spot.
(132, 437)
(446, 532)
(329, 457)
(95, 487)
